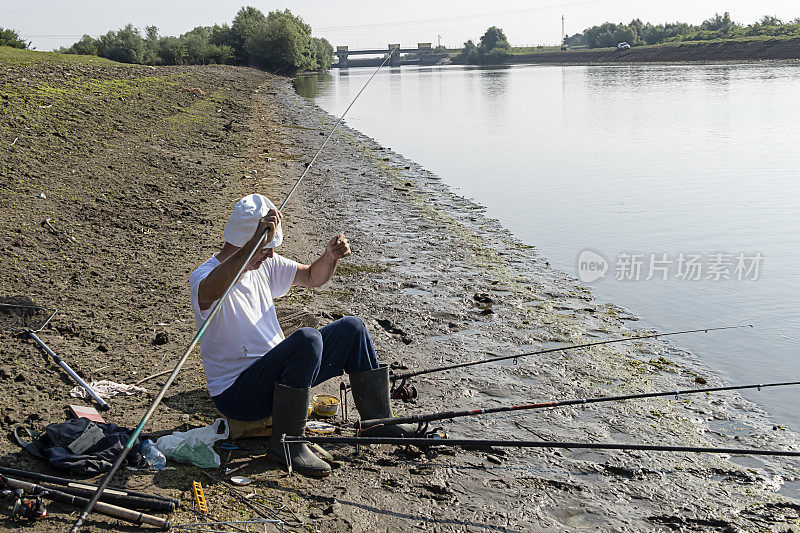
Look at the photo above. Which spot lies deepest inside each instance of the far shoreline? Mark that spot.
(741, 50)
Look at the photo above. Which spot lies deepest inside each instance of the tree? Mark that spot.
(151, 56)
(717, 27)
(323, 53)
(468, 54)
(769, 20)
(9, 37)
(493, 38)
(243, 28)
(491, 50)
(170, 51)
(281, 44)
(195, 42)
(579, 39)
(125, 45)
(221, 35)
(720, 23)
(219, 54)
(87, 46)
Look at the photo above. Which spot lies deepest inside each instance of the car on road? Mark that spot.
(623, 46)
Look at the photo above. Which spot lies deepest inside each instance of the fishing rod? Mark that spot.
(74, 484)
(406, 393)
(483, 443)
(123, 513)
(129, 499)
(424, 419)
(204, 326)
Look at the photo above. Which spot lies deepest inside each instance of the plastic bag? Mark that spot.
(195, 446)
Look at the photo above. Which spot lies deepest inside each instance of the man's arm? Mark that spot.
(321, 270)
(212, 287)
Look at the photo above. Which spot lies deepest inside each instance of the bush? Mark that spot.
(495, 57)
(492, 49)
(468, 54)
(9, 37)
(219, 54)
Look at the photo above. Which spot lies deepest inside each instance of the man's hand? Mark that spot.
(268, 223)
(338, 247)
(321, 270)
(213, 286)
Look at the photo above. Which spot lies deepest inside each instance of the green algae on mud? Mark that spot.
(353, 269)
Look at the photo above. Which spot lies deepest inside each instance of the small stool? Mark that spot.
(240, 429)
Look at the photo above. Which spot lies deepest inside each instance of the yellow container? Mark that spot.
(326, 405)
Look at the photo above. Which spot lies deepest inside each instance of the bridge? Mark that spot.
(423, 54)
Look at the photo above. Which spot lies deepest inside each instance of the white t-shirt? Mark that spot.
(246, 327)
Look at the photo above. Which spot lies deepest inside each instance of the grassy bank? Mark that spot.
(10, 55)
(744, 49)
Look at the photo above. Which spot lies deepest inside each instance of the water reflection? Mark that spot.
(308, 85)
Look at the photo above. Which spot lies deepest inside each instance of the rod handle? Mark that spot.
(116, 511)
(79, 380)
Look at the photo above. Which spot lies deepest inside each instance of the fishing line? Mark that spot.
(328, 138)
(204, 326)
(406, 375)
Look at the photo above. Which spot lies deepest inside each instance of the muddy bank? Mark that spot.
(741, 50)
(157, 166)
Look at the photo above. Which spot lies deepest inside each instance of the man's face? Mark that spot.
(259, 257)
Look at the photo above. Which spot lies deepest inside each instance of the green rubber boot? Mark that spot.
(371, 395)
(289, 414)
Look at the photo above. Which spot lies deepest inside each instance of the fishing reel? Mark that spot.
(403, 391)
(26, 508)
(424, 432)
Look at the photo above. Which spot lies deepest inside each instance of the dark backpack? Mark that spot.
(54, 444)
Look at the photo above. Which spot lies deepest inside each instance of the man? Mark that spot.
(252, 371)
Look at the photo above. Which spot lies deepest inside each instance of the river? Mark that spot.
(682, 181)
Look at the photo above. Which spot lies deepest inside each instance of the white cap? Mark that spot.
(244, 220)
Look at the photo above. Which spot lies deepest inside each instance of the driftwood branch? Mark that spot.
(47, 222)
(164, 373)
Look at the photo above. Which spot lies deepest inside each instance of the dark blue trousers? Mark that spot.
(305, 358)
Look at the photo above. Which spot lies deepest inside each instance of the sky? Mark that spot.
(50, 24)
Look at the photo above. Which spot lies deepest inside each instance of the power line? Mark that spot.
(457, 18)
(30, 36)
